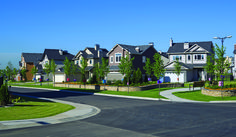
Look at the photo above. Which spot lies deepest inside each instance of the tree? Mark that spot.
(84, 64)
(177, 68)
(126, 67)
(210, 67)
(74, 69)
(8, 72)
(34, 70)
(104, 68)
(139, 76)
(134, 77)
(148, 67)
(14, 72)
(23, 73)
(222, 65)
(158, 67)
(67, 68)
(53, 70)
(47, 69)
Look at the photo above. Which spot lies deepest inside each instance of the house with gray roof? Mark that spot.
(140, 54)
(28, 61)
(93, 56)
(192, 57)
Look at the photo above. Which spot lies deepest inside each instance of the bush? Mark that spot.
(4, 95)
(118, 82)
(108, 82)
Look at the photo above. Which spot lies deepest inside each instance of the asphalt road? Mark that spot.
(121, 117)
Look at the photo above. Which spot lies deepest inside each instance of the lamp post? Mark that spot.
(222, 38)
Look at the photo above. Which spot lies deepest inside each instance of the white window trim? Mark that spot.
(115, 57)
(112, 59)
(143, 59)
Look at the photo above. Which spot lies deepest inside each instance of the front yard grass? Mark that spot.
(32, 108)
(198, 96)
(153, 93)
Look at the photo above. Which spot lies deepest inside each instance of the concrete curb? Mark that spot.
(81, 111)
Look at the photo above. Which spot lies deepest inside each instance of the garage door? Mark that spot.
(172, 77)
(59, 77)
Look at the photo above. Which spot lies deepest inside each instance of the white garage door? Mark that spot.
(172, 77)
(59, 77)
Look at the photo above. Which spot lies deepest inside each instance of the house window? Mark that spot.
(90, 61)
(118, 57)
(144, 59)
(177, 57)
(188, 57)
(77, 62)
(81, 61)
(199, 57)
(202, 57)
(111, 59)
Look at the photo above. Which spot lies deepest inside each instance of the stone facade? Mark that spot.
(219, 93)
(118, 88)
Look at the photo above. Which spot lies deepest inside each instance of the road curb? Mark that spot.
(81, 111)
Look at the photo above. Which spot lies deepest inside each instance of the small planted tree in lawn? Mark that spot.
(139, 76)
(74, 69)
(23, 73)
(148, 67)
(53, 69)
(47, 69)
(84, 64)
(126, 67)
(158, 67)
(4, 95)
(210, 67)
(67, 68)
(104, 68)
(14, 73)
(177, 69)
(34, 70)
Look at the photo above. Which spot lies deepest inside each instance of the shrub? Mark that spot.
(118, 82)
(108, 82)
(4, 95)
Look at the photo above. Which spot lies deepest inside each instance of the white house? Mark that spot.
(192, 57)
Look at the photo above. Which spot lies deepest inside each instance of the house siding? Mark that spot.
(29, 67)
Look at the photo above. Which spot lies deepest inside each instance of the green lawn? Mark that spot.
(153, 93)
(32, 108)
(198, 96)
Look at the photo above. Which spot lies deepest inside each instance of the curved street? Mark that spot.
(135, 118)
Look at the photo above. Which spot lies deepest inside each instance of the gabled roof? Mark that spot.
(103, 53)
(54, 54)
(131, 49)
(32, 57)
(179, 47)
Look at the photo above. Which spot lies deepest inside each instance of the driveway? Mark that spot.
(121, 117)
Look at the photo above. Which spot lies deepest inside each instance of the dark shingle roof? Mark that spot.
(54, 54)
(132, 50)
(103, 53)
(179, 47)
(32, 57)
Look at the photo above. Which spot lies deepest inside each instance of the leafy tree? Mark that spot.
(96, 73)
(209, 68)
(74, 69)
(14, 72)
(222, 65)
(177, 68)
(23, 73)
(104, 69)
(34, 70)
(8, 72)
(84, 64)
(126, 66)
(47, 69)
(134, 77)
(67, 67)
(53, 67)
(139, 76)
(148, 67)
(158, 67)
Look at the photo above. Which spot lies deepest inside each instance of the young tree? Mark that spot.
(139, 76)
(34, 70)
(148, 67)
(8, 72)
(67, 68)
(23, 73)
(158, 67)
(84, 64)
(126, 66)
(104, 68)
(14, 73)
(74, 69)
(53, 70)
(177, 68)
(134, 77)
(222, 65)
(209, 68)
(47, 69)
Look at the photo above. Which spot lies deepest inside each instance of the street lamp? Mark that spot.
(222, 38)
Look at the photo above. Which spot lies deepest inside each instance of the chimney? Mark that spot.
(151, 43)
(96, 46)
(137, 49)
(171, 42)
(234, 46)
(60, 52)
(186, 45)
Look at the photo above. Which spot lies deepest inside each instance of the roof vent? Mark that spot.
(60, 52)
(151, 43)
(137, 49)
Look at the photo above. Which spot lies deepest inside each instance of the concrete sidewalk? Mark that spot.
(81, 111)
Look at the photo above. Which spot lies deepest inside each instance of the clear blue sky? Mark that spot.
(33, 25)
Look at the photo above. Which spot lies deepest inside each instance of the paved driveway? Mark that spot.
(121, 117)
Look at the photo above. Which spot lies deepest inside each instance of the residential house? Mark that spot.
(29, 60)
(59, 57)
(140, 54)
(192, 57)
(93, 56)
